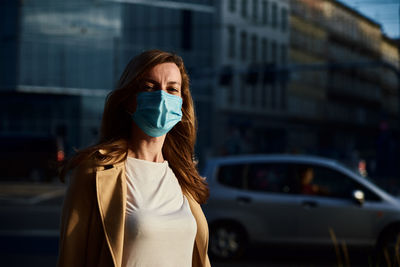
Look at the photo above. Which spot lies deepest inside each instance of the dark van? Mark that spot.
(30, 157)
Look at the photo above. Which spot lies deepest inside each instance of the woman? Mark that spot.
(134, 198)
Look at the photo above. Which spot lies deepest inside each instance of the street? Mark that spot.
(29, 223)
(29, 233)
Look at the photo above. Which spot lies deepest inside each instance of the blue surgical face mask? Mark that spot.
(157, 112)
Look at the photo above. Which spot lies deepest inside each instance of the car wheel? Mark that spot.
(389, 248)
(227, 241)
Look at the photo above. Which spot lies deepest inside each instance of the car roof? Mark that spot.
(297, 158)
(294, 158)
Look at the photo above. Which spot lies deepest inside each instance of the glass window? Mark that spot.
(284, 19)
(187, 30)
(264, 50)
(264, 96)
(270, 177)
(324, 181)
(231, 95)
(243, 92)
(231, 41)
(244, 8)
(265, 12)
(233, 175)
(254, 48)
(283, 54)
(243, 45)
(274, 52)
(273, 95)
(255, 10)
(232, 6)
(274, 15)
(261, 177)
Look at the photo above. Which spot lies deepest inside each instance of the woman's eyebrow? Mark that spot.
(150, 81)
(155, 82)
(170, 83)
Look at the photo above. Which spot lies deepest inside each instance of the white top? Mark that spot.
(159, 226)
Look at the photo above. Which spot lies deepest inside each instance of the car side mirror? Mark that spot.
(358, 196)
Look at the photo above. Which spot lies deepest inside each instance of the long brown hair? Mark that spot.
(116, 126)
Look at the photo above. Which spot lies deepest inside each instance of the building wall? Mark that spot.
(64, 53)
(253, 36)
(9, 36)
(355, 92)
(66, 45)
(306, 89)
(76, 51)
(36, 114)
(389, 80)
(307, 86)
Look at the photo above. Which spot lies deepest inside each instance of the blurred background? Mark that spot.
(315, 77)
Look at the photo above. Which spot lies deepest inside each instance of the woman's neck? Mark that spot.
(142, 146)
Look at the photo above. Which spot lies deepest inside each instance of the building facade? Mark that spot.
(307, 84)
(62, 58)
(345, 67)
(64, 62)
(389, 79)
(249, 97)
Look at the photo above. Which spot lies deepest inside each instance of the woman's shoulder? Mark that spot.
(83, 174)
(104, 156)
(100, 161)
(90, 166)
(87, 162)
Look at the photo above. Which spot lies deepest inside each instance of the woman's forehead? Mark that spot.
(165, 72)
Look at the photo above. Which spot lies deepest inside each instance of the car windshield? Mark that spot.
(383, 184)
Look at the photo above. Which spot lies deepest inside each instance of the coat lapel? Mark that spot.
(111, 195)
(200, 257)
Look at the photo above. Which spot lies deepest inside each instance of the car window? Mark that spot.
(324, 181)
(269, 177)
(232, 175)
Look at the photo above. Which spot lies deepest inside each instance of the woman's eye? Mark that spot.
(148, 87)
(174, 90)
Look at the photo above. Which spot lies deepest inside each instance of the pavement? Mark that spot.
(29, 225)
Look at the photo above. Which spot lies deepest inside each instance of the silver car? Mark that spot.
(297, 200)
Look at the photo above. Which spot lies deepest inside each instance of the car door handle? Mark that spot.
(243, 200)
(309, 204)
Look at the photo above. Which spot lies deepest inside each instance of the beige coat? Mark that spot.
(93, 218)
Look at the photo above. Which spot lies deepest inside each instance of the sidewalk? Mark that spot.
(30, 193)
